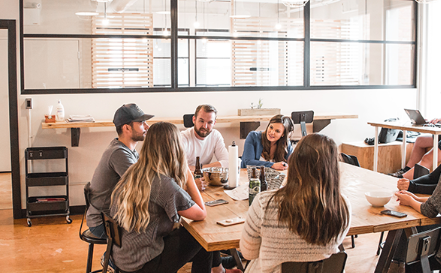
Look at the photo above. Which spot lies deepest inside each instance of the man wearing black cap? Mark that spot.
(131, 126)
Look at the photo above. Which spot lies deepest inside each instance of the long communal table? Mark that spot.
(355, 182)
(247, 123)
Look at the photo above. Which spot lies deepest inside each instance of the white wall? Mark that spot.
(369, 105)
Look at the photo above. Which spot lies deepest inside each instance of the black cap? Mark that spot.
(128, 113)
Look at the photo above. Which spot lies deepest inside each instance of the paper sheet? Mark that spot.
(239, 193)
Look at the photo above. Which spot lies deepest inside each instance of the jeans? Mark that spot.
(179, 248)
(99, 231)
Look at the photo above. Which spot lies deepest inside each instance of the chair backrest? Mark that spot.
(421, 246)
(188, 120)
(334, 264)
(302, 118)
(419, 171)
(350, 159)
(113, 231)
(87, 195)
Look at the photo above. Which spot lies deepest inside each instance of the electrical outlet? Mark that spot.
(28, 103)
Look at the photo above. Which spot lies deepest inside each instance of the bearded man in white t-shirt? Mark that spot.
(204, 141)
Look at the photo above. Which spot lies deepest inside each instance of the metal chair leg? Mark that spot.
(89, 258)
(380, 243)
(353, 241)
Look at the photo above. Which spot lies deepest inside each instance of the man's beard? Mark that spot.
(138, 137)
(202, 133)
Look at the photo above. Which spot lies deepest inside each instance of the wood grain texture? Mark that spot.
(413, 128)
(178, 120)
(355, 182)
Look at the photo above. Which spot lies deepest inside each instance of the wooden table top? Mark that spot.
(407, 127)
(179, 120)
(355, 182)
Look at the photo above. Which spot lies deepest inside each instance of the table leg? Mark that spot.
(435, 152)
(392, 240)
(403, 150)
(376, 149)
(237, 259)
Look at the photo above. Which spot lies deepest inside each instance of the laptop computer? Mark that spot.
(417, 119)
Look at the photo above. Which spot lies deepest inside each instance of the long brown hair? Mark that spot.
(311, 203)
(282, 143)
(161, 154)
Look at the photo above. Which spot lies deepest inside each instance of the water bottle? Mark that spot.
(60, 111)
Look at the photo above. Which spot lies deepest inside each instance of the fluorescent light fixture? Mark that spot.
(240, 16)
(105, 21)
(86, 13)
(278, 26)
(196, 24)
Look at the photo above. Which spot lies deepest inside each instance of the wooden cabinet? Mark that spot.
(389, 155)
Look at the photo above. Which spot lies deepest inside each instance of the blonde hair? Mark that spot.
(311, 203)
(161, 154)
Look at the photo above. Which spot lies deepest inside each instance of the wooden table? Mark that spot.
(320, 122)
(355, 182)
(406, 127)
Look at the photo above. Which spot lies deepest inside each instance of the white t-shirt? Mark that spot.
(213, 144)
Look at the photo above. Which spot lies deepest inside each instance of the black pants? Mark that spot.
(179, 248)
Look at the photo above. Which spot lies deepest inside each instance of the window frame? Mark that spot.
(174, 60)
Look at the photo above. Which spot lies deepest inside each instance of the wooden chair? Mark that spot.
(87, 236)
(302, 118)
(352, 160)
(417, 172)
(334, 264)
(188, 120)
(420, 247)
(113, 232)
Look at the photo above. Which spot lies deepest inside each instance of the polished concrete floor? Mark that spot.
(52, 245)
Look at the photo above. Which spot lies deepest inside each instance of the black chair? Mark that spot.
(420, 247)
(352, 160)
(418, 171)
(87, 236)
(334, 264)
(302, 118)
(188, 120)
(113, 232)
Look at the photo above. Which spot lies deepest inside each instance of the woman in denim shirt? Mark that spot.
(270, 148)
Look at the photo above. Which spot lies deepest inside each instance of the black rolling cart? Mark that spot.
(43, 206)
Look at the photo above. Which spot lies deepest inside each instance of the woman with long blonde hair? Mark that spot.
(148, 202)
(304, 221)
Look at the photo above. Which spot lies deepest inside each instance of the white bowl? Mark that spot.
(378, 198)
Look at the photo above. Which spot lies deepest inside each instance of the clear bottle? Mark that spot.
(254, 186)
(197, 171)
(60, 111)
(263, 183)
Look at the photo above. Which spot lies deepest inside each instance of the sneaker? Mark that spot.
(111, 266)
(398, 174)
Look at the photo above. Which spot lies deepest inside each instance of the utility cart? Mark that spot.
(46, 205)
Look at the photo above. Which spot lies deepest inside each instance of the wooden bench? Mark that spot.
(389, 155)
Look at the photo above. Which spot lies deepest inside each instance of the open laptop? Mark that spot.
(417, 119)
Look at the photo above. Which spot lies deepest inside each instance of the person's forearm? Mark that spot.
(214, 164)
(416, 205)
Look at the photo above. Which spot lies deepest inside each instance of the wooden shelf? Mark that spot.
(320, 122)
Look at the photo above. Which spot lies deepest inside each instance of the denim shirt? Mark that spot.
(253, 149)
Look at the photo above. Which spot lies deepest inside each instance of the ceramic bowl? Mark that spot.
(216, 176)
(378, 198)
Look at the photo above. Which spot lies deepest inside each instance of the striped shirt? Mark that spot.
(269, 243)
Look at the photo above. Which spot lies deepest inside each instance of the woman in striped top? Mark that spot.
(304, 221)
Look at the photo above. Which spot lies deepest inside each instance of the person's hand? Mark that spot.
(201, 183)
(405, 197)
(403, 184)
(435, 120)
(280, 166)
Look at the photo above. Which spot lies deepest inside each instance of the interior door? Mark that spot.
(5, 144)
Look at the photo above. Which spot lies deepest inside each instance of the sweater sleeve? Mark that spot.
(249, 156)
(220, 151)
(425, 184)
(432, 206)
(251, 237)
